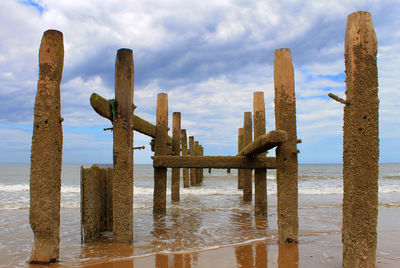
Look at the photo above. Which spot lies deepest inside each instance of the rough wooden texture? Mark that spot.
(264, 143)
(46, 154)
(176, 150)
(240, 147)
(247, 173)
(96, 204)
(221, 162)
(161, 148)
(198, 171)
(360, 143)
(192, 153)
(185, 152)
(201, 170)
(123, 148)
(103, 108)
(260, 175)
(286, 153)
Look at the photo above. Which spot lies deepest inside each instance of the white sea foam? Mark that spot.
(25, 188)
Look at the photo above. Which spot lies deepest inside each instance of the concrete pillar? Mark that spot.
(161, 148)
(176, 150)
(360, 143)
(46, 152)
(96, 202)
(192, 153)
(247, 173)
(123, 148)
(197, 153)
(185, 171)
(260, 175)
(202, 169)
(286, 154)
(240, 147)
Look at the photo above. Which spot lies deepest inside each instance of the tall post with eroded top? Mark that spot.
(286, 153)
(260, 175)
(240, 147)
(192, 153)
(161, 148)
(176, 150)
(185, 152)
(123, 148)
(202, 169)
(247, 173)
(360, 143)
(46, 154)
(197, 153)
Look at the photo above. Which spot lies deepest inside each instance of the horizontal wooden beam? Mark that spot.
(241, 162)
(143, 126)
(103, 108)
(264, 143)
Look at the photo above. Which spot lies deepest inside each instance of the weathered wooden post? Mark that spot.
(176, 150)
(96, 202)
(247, 173)
(202, 169)
(192, 153)
(198, 171)
(240, 147)
(260, 175)
(286, 154)
(46, 153)
(185, 171)
(161, 148)
(123, 148)
(360, 143)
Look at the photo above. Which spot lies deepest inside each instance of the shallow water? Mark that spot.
(208, 216)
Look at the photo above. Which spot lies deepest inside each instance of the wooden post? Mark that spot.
(260, 175)
(192, 153)
(96, 202)
(286, 154)
(360, 143)
(202, 169)
(240, 147)
(46, 153)
(123, 148)
(247, 173)
(185, 171)
(176, 150)
(197, 153)
(161, 148)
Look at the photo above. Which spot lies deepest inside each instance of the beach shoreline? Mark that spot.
(315, 249)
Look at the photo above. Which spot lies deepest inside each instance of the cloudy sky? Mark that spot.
(209, 56)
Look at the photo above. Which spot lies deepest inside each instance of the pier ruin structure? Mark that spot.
(107, 194)
(167, 152)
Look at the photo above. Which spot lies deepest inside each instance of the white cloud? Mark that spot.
(209, 56)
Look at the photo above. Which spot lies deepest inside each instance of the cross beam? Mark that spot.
(223, 162)
(103, 108)
(264, 143)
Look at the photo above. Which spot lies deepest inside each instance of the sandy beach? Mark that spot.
(209, 227)
(316, 249)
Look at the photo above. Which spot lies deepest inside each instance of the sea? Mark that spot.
(209, 216)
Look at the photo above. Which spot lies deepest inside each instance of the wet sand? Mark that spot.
(317, 248)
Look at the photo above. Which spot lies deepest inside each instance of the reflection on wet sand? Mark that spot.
(174, 260)
(106, 250)
(244, 256)
(288, 256)
(261, 255)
